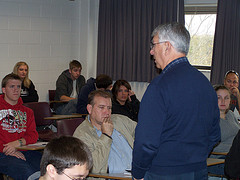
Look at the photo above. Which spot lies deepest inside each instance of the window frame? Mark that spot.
(200, 9)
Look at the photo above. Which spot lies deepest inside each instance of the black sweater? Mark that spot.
(29, 94)
(129, 109)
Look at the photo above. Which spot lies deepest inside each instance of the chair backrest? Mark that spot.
(68, 126)
(41, 110)
(51, 95)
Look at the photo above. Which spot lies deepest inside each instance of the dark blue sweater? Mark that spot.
(83, 96)
(178, 122)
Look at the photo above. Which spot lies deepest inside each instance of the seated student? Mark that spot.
(124, 100)
(65, 157)
(103, 82)
(231, 81)
(28, 92)
(228, 124)
(232, 161)
(17, 128)
(109, 137)
(68, 86)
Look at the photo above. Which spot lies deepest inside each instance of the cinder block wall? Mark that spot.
(47, 34)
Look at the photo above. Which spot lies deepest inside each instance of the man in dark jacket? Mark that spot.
(232, 161)
(68, 86)
(178, 121)
(103, 82)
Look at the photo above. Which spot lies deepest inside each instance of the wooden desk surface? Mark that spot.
(214, 161)
(219, 153)
(128, 176)
(59, 117)
(58, 102)
(36, 146)
(118, 176)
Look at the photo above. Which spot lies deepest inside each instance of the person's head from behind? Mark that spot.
(224, 98)
(21, 69)
(11, 88)
(104, 82)
(121, 90)
(168, 38)
(99, 106)
(66, 157)
(231, 80)
(75, 69)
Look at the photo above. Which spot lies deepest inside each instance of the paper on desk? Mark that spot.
(39, 144)
(128, 173)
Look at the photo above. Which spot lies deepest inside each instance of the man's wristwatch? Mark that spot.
(107, 135)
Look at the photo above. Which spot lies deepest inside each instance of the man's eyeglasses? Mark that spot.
(153, 44)
(72, 178)
(231, 71)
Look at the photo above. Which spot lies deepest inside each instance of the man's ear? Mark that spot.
(109, 87)
(168, 47)
(70, 71)
(89, 108)
(3, 90)
(51, 171)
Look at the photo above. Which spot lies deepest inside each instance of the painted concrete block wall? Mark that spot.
(47, 34)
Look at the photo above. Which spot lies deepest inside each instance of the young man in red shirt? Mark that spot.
(17, 128)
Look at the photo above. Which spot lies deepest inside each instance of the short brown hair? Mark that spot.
(100, 93)
(65, 152)
(9, 77)
(103, 81)
(75, 64)
(220, 86)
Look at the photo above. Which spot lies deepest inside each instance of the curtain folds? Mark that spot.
(226, 54)
(124, 34)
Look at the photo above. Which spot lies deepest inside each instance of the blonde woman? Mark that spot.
(28, 92)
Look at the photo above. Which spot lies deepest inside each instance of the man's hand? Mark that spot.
(235, 91)
(66, 98)
(130, 93)
(10, 147)
(18, 155)
(10, 150)
(107, 126)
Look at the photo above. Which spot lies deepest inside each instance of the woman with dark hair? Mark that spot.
(28, 92)
(124, 100)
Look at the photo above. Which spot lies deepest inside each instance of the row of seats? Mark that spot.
(64, 126)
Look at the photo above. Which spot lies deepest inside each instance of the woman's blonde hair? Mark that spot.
(26, 80)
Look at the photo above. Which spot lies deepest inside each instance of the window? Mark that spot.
(200, 22)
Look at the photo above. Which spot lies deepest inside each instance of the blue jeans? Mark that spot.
(217, 169)
(67, 108)
(19, 169)
(196, 175)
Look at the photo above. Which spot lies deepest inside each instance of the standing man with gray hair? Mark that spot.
(179, 116)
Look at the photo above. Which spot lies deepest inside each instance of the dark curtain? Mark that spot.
(226, 53)
(124, 34)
